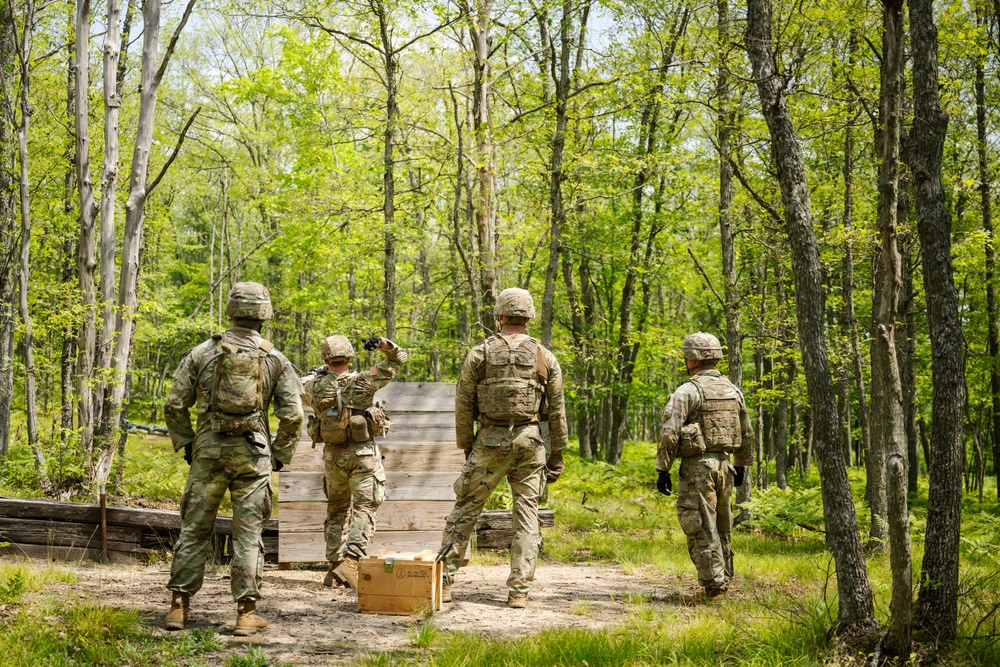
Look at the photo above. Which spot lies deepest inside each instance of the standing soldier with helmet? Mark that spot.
(705, 422)
(346, 422)
(231, 379)
(509, 384)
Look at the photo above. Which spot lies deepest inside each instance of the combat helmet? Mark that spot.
(514, 302)
(249, 301)
(337, 347)
(701, 346)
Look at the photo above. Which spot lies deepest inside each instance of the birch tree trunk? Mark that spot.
(937, 602)
(856, 610)
(88, 209)
(109, 184)
(67, 363)
(391, 73)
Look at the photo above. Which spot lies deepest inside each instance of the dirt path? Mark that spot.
(312, 625)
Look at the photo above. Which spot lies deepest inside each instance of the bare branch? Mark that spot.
(708, 281)
(173, 155)
(173, 42)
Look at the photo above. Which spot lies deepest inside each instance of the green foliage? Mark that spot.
(255, 657)
(13, 585)
(786, 512)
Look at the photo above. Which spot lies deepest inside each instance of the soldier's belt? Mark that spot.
(486, 421)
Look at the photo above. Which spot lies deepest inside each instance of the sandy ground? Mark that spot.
(312, 625)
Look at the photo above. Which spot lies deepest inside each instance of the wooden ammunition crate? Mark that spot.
(403, 583)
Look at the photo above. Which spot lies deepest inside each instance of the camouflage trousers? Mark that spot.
(246, 475)
(354, 485)
(704, 510)
(518, 455)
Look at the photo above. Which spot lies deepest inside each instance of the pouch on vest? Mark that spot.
(331, 413)
(378, 421)
(359, 429)
(691, 441)
(719, 414)
(238, 387)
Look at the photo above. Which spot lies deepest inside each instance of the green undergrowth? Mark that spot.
(40, 625)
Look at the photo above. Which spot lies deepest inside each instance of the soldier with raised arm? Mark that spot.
(705, 422)
(346, 422)
(507, 385)
(231, 379)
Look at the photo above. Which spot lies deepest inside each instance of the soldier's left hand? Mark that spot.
(554, 467)
(372, 343)
(738, 479)
(189, 453)
(663, 483)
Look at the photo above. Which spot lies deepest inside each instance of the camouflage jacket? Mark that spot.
(467, 408)
(193, 383)
(684, 403)
(360, 392)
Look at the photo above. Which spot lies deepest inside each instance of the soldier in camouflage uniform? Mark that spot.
(346, 422)
(704, 423)
(508, 384)
(231, 379)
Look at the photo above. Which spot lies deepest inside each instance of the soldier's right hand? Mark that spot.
(371, 343)
(189, 453)
(663, 484)
(738, 478)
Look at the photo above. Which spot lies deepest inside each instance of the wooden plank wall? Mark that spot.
(421, 463)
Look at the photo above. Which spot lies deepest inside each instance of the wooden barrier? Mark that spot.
(70, 531)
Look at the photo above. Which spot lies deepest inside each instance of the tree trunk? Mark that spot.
(135, 216)
(906, 351)
(88, 209)
(937, 602)
(856, 610)
(109, 184)
(8, 237)
(993, 334)
(391, 73)
(24, 274)
(785, 366)
(485, 223)
(727, 238)
(891, 440)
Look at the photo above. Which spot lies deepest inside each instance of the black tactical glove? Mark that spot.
(277, 465)
(738, 479)
(319, 370)
(443, 552)
(663, 484)
(371, 343)
(554, 467)
(189, 452)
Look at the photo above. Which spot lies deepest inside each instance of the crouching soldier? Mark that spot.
(345, 422)
(231, 378)
(705, 422)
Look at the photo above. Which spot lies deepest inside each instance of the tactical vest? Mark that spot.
(238, 403)
(719, 415)
(511, 386)
(339, 419)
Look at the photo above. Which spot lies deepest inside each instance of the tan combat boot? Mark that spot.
(347, 573)
(446, 594)
(247, 620)
(517, 600)
(331, 577)
(178, 614)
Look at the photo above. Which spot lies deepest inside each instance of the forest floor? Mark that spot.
(313, 625)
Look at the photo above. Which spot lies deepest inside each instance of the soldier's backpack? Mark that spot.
(238, 386)
(331, 409)
(511, 382)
